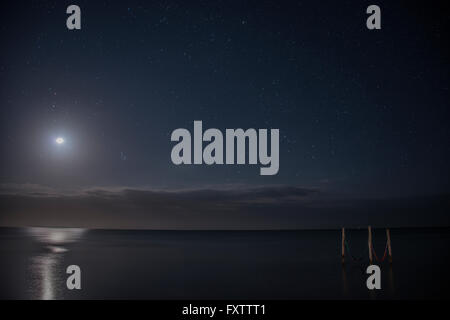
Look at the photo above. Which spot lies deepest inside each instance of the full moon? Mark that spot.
(59, 140)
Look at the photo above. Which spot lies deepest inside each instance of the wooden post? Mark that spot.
(370, 243)
(388, 237)
(343, 245)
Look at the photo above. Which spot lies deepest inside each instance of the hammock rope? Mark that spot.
(358, 259)
(350, 253)
(384, 254)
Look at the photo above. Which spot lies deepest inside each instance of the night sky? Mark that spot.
(363, 115)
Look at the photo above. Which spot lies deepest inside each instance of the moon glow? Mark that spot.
(59, 140)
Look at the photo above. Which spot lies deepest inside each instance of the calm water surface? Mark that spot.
(219, 264)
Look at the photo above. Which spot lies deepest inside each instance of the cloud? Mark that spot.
(26, 189)
(221, 207)
(226, 207)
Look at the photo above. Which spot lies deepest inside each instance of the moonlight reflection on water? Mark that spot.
(47, 270)
(138, 264)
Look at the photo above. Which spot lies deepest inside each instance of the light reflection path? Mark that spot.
(46, 269)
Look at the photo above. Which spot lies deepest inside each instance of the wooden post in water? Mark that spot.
(388, 237)
(343, 245)
(370, 243)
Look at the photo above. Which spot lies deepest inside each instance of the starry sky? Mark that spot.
(363, 115)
